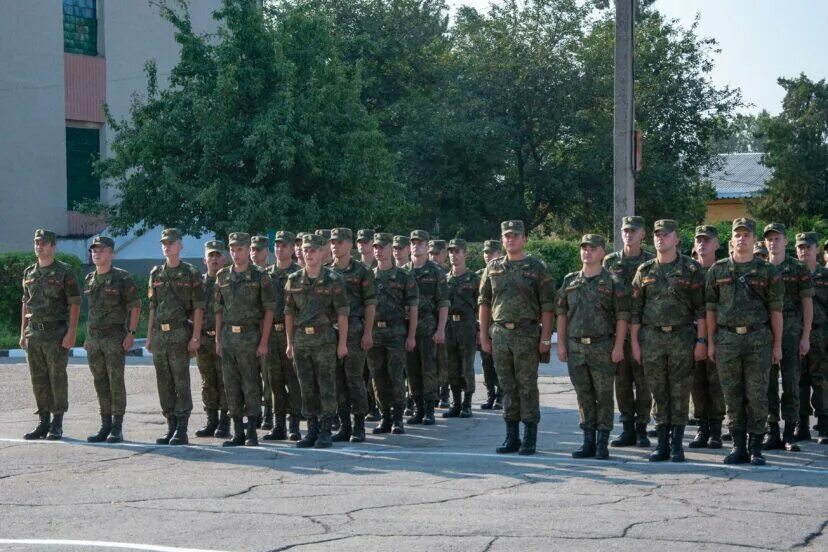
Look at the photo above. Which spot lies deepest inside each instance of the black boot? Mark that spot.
(325, 440)
(601, 442)
(312, 435)
(587, 449)
(223, 428)
(456, 405)
(772, 439)
(530, 439)
(397, 419)
(252, 439)
(726, 436)
(788, 441)
(103, 433)
(756, 458)
(171, 425)
(209, 428)
(358, 434)
(238, 433)
(498, 404)
(409, 405)
(335, 423)
(702, 437)
(627, 437)
(512, 442)
(180, 435)
(259, 419)
(823, 430)
(641, 438)
(385, 423)
(279, 431)
(419, 413)
(293, 429)
(466, 408)
(739, 453)
(428, 419)
(444, 397)
(715, 441)
(662, 450)
(803, 433)
(676, 444)
(373, 415)
(490, 399)
(267, 423)
(345, 429)
(42, 428)
(116, 435)
(55, 428)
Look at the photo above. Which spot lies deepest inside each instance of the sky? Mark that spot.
(761, 40)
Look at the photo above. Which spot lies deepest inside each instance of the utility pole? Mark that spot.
(623, 178)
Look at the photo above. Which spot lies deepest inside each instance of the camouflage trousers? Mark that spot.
(442, 365)
(386, 362)
(667, 359)
(421, 364)
(489, 373)
(213, 394)
(240, 370)
(172, 370)
(592, 373)
(790, 369)
(47, 361)
(284, 383)
(350, 376)
(461, 346)
(631, 389)
(744, 362)
(708, 399)
(813, 385)
(315, 359)
(264, 383)
(516, 359)
(107, 359)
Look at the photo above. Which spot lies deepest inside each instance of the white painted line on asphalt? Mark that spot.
(103, 544)
(206, 448)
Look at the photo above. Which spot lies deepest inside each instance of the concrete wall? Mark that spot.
(32, 121)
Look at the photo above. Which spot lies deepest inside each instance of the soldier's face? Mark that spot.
(364, 247)
(283, 250)
(214, 260)
(44, 249)
(340, 248)
(240, 254)
(513, 242)
(171, 248)
(419, 248)
(457, 257)
(382, 252)
(312, 255)
(806, 253)
(101, 255)
(438, 257)
(591, 255)
(632, 236)
(825, 256)
(776, 243)
(665, 241)
(743, 241)
(258, 255)
(401, 254)
(706, 246)
(489, 256)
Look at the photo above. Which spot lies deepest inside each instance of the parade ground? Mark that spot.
(435, 488)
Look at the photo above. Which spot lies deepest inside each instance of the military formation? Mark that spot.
(333, 340)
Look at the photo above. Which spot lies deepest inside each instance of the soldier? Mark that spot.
(743, 293)
(593, 312)
(397, 300)
(631, 390)
(351, 396)
(259, 252)
(365, 247)
(461, 331)
(50, 311)
(315, 299)
(327, 256)
(244, 304)
(492, 249)
(402, 251)
(797, 314)
(209, 363)
(438, 254)
(759, 250)
(815, 363)
(431, 329)
(708, 399)
(284, 383)
(667, 299)
(297, 247)
(114, 308)
(176, 307)
(516, 292)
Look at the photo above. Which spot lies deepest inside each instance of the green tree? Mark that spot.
(744, 134)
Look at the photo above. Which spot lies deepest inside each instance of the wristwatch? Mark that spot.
(131, 332)
(702, 340)
(547, 342)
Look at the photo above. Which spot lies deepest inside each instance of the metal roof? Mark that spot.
(740, 175)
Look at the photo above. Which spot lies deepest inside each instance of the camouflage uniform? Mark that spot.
(441, 351)
(813, 385)
(213, 394)
(461, 333)
(487, 362)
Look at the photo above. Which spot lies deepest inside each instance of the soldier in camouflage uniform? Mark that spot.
(327, 256)
(176, 297)
(815, 364)
(114, 308)
(797, 314)
(365, 247)
(431, 329)
(631, 390)
(351, 396)
(244, 304)
(759, 250)
(593, 312)
(402, 251)
(492, 249)
(395, 330)
(259, 253)
(667, 299)
(297, 246)
(516, 293)
(50, 311)
(209, 363)
(743, 293)
(438, 254)
(461, 331)
(284, 383)
(315, 300)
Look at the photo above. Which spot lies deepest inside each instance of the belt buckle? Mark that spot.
(667, 329)
(509, 325)
(310, 330)
(165, 327)
(381, 324)
(741, 330)
(456, 317)
(235, 329)
(211, 333)
(279, 327)
(586, 341)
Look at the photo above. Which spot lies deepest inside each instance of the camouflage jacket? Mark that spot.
(820, 280)
(592, 306)
(278, 279)
(431, 282)
(517, 291)
(174, 293)
(396, 291)
(624, 268)
(49, 291)
(463, 291)
(797, 279)
(668, 294)
(317, 301)
(110, 298)
(359, 288)
(243, 297)
(743, 294)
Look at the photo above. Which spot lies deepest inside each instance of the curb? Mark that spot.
(137, 350)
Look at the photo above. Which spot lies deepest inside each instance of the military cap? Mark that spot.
(102, 240)
(284, 236)
(435, 246)
(383, 238)
(324, 232)
(457, 243)
(746, 223)
(595, 240)
(239, 238)
(512, 227)
(341, 234)
(666, 225)
(759, 249)
(214, 245)
(491, 246)
(365, 234)
(707, 231)
(632, 222)
(774, 227)
(421, 235)
(400, 241)
(259, 242)
(316, 241)
(298, 238)
(45, 235)
(807, 238)
(170, 234)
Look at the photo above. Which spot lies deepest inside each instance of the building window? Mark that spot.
(82, 150)
(80, 27)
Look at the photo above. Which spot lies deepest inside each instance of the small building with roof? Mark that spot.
(737, 178)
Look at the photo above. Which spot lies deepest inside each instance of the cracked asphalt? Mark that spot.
(435, 488)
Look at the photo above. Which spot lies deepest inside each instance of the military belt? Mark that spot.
(386, 323)
(279, 327)
(669, 329)
(210, 333)
(312, 330)
(241, 328)
(589, 340)
(44, 326)
(459, 317)
(170, 326)
(105, 331)
(522, 324)
(744, 330)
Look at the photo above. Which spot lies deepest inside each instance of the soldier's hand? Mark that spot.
(563, 354)
(410, 344)
(289, 351)
(367, 342)
(193, 346)
(218, 347)
(439, 337)
(148, 344)
(261, 350)
(543, 348)
(68, 341)
(485, 345)
(700, 352)
(804, 347)
(23, 342)
(636, 351)
(617, 354)
(777, 355)
(128, 341)
(711, 352)
(341, 351)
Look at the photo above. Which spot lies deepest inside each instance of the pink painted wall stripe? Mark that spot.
(85, 81)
